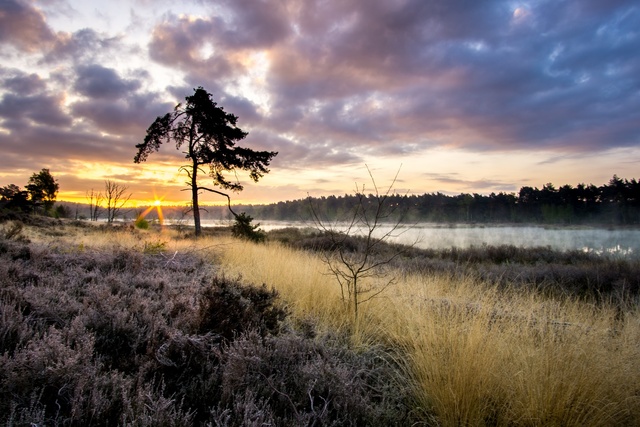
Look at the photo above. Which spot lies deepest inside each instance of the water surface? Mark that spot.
(608, 241)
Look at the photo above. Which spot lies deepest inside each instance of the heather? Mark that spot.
(116, 326)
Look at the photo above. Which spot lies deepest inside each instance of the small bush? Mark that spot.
(142, 223)
(229, 308)
(13, 231)
(242, 228)
(154, 248)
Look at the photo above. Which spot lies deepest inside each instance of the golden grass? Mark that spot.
(476, 355)
(473, 354)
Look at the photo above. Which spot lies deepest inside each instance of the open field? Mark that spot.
(148, 327)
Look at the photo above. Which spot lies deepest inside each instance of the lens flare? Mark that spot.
(157, 205)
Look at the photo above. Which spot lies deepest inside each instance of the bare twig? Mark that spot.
(363, 274)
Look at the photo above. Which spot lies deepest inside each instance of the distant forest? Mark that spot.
(614, 203)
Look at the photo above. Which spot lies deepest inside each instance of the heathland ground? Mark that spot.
(121, 326)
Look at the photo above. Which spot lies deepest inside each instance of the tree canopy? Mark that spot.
(208, 136)
(43, 189)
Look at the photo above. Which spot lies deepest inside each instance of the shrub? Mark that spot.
(154, 248)
(243, 229)
(293, 381)
(12, 231)
(229, 308)
(142, 223)
(120, 337)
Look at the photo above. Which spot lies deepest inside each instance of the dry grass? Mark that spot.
(476, 354)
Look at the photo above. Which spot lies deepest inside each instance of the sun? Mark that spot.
(157, 205)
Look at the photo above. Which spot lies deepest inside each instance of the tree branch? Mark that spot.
(222, 194)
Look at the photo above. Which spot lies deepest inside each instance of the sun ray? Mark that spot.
(157, 205)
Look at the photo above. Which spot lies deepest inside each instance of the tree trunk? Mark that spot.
(194, 199)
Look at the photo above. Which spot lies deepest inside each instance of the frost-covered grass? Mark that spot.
(116, 326)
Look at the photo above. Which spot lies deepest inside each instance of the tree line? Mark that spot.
(615, 203)
(38, 196)
(40, 193)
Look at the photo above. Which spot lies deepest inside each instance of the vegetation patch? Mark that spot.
(117, 336)
(566, 273)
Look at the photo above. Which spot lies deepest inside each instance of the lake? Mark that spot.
(623, 242)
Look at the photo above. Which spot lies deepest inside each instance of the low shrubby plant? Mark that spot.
(12, 230)
(243, 229)
(117, 336)
(142, 223)
(154, 247)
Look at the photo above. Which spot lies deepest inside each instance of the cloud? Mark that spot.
(18, 111)
(129, 116)
(470, 185)
(19, 82)
(181, 42)
(254, 24)
(24, 26)
(449, 72)
(393, 78)
(96, 81)
(83, 47)
(327, 82)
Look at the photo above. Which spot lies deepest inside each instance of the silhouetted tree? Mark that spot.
(14, 199)
(114, 195)
(95, 202)
(208, 136)
(62, 211)
(43, 189)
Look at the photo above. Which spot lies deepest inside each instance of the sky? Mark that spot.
(452, 96)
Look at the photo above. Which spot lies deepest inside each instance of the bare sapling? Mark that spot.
(357, 255)
(95, 202)
(116, 198)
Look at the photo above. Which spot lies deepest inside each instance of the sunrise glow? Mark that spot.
(473, 98)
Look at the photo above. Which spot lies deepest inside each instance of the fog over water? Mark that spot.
(609, 241)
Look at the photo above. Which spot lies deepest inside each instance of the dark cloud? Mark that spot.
(246, 110)
(24, 26)
(181, 42)
(96, 81)
(59, 148)
(129, 116)
(553, 75)
(396, 77)
(21, 83)
(254, 24)
(19, 111)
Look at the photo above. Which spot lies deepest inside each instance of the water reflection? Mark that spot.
(617, 250)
